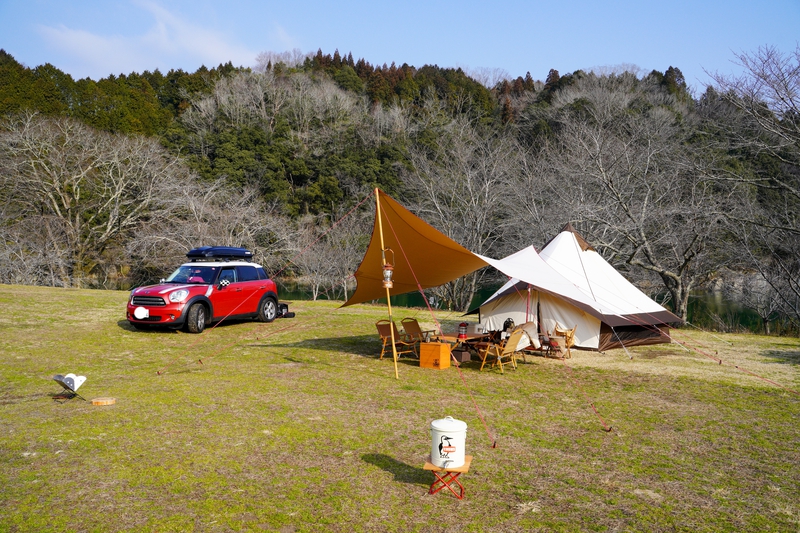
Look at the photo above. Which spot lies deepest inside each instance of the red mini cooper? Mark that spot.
(217, 283)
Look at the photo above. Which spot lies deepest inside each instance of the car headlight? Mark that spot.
(179, 295)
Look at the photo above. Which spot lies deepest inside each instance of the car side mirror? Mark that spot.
(224, 283)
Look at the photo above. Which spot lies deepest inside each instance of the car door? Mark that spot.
(251, 286)
(226, 295)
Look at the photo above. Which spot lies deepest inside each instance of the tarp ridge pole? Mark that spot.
(388, 295)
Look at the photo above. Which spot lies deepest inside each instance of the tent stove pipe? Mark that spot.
(387, 278)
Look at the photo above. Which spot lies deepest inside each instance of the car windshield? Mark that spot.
(193, 274)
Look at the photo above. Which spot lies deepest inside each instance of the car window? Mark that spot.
(262, 274)
(192, 274)
(246, 273)
(201, 275)
(227, 274)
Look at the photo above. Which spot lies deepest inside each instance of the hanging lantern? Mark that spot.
(388, 269)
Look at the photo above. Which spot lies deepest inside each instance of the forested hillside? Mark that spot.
(108, 183)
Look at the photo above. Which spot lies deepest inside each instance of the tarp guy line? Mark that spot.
(720, 362)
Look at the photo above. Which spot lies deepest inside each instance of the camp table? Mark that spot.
(447, 475)
(453, 338)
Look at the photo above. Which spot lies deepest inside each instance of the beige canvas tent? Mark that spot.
(570, 284)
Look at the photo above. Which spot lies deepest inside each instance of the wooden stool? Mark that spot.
(445, 476)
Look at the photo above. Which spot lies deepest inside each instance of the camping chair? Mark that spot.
(402, 343)
(569, 339)
(503, 352)
(412, 329)
(549, 344)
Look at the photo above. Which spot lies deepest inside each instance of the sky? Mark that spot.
(98, 38)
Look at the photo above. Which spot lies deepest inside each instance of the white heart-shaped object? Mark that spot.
(74, 382)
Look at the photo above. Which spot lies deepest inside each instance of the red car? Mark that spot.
(217, 283)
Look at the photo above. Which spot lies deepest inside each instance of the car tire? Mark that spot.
(268, 309)
(196, 318)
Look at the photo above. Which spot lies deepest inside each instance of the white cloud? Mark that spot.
(98, 55)
(286, 41)
(174, 36)
(171, 42)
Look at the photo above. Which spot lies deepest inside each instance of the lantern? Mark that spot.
(462, 331)
(388, 269)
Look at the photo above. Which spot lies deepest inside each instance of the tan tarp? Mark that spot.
(423, 256)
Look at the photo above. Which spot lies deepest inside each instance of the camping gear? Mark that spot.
(504, 352)
(446, 477)
(70, 383)
(415, 242)
(570, 283)
(448, 441)
(402, 343)
(413, 330)
(434, 355)
(462, 356)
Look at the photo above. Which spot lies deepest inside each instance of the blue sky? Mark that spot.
(95, 38)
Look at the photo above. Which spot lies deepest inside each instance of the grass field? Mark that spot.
(297, 426)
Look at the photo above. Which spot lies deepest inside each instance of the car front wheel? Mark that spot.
(196, 318)
(268, 310)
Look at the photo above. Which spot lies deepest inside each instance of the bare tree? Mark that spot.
(83, 189)
(767, 95)
(622, 167)
(348, 242)
(243, 99)
(315, 257)
(217, 214)
(290, 58)
(457, 186)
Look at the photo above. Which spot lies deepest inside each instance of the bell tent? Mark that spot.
(569, 284)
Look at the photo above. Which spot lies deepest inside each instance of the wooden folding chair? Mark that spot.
(568, 336)
(402, 343)
(504, 352)
(413, 330)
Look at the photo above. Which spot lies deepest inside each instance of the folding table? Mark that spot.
(445, 476)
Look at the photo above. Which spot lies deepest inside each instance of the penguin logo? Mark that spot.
(445, 447)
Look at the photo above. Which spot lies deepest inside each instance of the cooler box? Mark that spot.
(434, 355)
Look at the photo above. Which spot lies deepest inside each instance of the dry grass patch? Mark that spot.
(296, 426)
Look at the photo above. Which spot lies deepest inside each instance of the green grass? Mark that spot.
(297, 426)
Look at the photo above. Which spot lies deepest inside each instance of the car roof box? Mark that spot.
(219, 253)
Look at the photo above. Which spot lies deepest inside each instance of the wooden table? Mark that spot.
(447, 475)
(471, 338)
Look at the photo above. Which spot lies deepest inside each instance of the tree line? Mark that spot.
(109, 183)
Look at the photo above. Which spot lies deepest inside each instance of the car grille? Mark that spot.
(149, 301)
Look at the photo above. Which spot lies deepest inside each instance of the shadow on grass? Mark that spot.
(402, 472)
(790, 357)
(11, 399)
(363, 345)
(145, 328)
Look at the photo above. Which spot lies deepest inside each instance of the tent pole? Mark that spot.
(388, 296)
